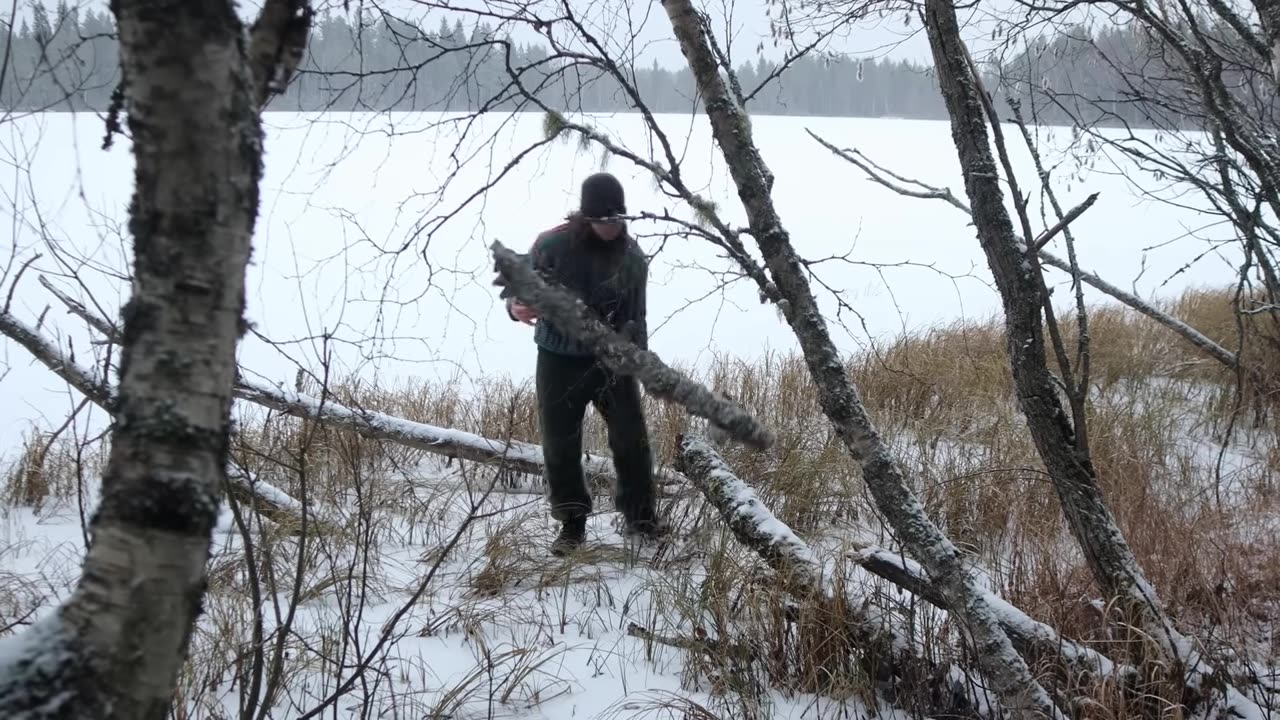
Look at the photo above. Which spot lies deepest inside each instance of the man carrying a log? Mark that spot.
(593, 256)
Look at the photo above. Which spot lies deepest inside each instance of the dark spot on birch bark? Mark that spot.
(172, 503)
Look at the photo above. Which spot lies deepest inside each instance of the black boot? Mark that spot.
(649, 527)
(573, 533)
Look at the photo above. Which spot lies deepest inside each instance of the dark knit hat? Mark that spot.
(602, 197)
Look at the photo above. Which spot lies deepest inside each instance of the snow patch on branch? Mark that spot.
(525, 457)
(742, 505)
(420, 433)
(35, 667)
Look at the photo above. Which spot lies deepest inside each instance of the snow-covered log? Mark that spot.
(571, 315)
(902, 671)
(1008, 673)
(115, 647)
(511, 454)
(1034, 639)
(1106, 550)
(268, 500)
(519, 456)
(275, 505)
(756, 527)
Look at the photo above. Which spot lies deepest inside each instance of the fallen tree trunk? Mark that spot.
(518, 456)
(514, 455)
(1035, 640)
(510, 454)
(275, 504)
(759, 530)
(902, 671)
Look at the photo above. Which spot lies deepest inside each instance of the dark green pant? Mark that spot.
(565, 386)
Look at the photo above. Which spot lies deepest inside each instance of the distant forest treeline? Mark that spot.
(67, 60)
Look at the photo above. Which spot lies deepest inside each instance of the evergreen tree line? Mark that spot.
(68, 60)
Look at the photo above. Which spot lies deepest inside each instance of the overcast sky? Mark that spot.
(621, 20)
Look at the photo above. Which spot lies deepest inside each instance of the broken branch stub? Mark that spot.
(570, 315)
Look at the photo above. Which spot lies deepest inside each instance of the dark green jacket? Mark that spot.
(611, 278)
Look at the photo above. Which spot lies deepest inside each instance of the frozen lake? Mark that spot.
(374, 231)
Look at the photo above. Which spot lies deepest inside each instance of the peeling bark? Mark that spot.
(115, 647)
(573, 316)
(1075, 479)
(1009, 674)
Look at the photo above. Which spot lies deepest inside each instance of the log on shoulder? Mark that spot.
(557, 306)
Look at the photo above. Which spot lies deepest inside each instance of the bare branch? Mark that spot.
(77, 308)
(1190, 334)
(892, 658)
(274, 503)
(896, 183)
(1047, 236)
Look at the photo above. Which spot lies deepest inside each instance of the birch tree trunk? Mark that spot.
(1109, 556)
(114, 649)
(1008, 672)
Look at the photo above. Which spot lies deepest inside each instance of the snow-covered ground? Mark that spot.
(501, 630)
(368, 232)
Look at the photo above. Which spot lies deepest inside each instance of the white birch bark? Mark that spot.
(1009, 674)
(1108, 553)
(114, 648)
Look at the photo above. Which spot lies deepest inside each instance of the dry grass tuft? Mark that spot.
(28, 482)
(1187, 451)
(50, 469)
